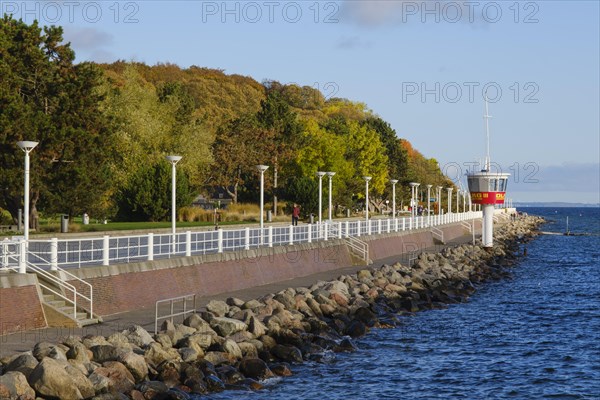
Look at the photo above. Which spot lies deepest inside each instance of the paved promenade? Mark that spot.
(25, 340)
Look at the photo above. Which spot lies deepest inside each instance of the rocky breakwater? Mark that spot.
(238, 344)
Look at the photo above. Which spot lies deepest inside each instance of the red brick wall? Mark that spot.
(20, 309)
(129, 291)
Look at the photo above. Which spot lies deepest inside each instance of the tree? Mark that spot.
(46, 98)
(237, 150)
(147, 197)
(152, 123)
(304, 191)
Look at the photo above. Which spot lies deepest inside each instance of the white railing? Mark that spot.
(109, 250)
(52, 280)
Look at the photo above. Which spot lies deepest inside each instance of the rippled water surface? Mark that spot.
(536, 335)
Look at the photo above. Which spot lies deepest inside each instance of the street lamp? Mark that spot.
(173, 160)
(320, 174)
(439, 198)
(457, 201)
(26, 146)
(262, 169)
(449, 199)
(428, 204)
(330, 175)
(367, 179)
(413, 193)
(393, 182)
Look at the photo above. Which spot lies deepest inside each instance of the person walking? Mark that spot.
(295, 214)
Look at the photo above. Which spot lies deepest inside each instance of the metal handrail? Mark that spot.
(172, 314)
(437, 233)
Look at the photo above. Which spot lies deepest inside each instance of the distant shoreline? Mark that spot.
(556, 205)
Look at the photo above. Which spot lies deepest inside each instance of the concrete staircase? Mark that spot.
(60, 309)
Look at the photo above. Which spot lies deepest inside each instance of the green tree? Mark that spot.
(45, 97)
(152, 123)
(147, 197)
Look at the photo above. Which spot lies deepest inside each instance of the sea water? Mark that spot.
(533, 336)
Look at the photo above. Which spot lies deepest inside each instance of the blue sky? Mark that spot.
(421, 65)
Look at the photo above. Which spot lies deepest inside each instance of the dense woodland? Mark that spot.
(104, 131)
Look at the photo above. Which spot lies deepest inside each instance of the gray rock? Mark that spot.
(45, 349)
(217, 307)
(232, 348)
(24, 363)
(138, 336)
(182, 331)
(252, 304)
(79, 353)
(14, 384)
(287, 353)
(188, 354)
(227, 326)
(196, 322)
(197, 341)
(234, 301)
(103, 353)
(256, 327)
(136, 364)
(58, 379)
(255, 368)
(120, 380)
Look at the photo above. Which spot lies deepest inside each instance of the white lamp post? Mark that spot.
(26, 146)
(330, 175)
(449, 199)
(429, 204)
(173, 160)
(262, 169)
(320, 174)
(457, 201)
(439, 199)
(367, 179)
(413, 194)
(393, 182)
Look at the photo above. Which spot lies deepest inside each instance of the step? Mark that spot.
(87, 321)
(57, 303)
(48, 298)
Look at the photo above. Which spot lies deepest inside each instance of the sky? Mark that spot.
(423, 66)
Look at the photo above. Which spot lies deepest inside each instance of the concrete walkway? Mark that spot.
(25, 340)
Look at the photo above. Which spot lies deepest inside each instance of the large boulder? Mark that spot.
(14, 384)
(120, 380)
(227, 326)
(58, 379)
(156, 354)
(198, 342)
(287, 353)
(255, 368)
(217, 307)
(45, 349)
(80, 353)
(138, 336)
(24, 363)
(136, 364)
(103, 353)
(195, 321)
(232, 348)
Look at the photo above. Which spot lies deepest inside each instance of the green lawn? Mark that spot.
(126, 226)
